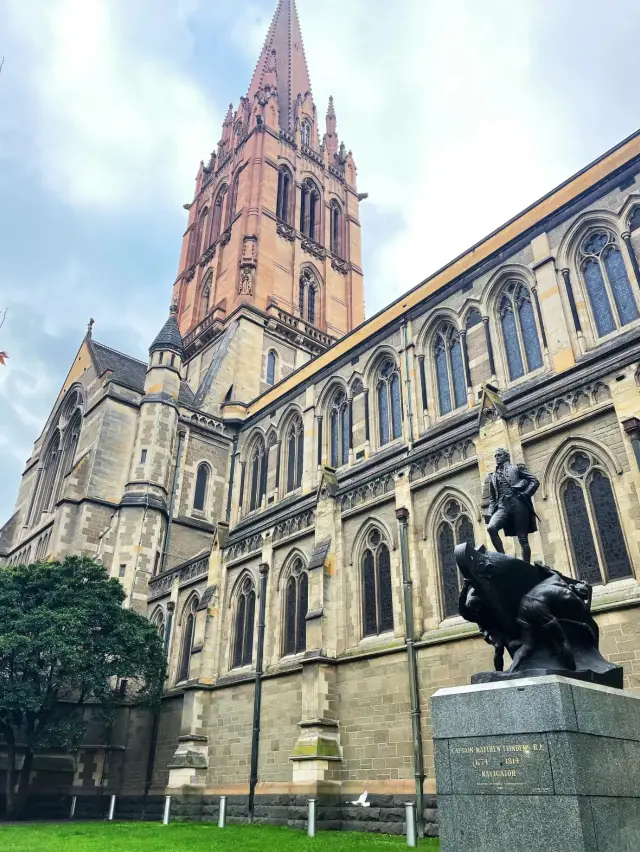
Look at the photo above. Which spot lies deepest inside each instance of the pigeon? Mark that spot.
(362, 801)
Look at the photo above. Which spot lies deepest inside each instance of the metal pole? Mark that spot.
(312, 823)
(112, 807)
(166, 816)
(72, 812)
(257, 697)
(222, 815)
(411, 824)
(414, 691)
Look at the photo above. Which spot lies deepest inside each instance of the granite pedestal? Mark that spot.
(542, 764)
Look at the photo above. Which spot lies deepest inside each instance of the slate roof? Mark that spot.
(169, 337)
(126, 370)
(130, 372)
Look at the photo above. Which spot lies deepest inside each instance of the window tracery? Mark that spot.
(607, 283)
(309, 209)
(283, 206)
(257, 475)
(389, 402)
(295, 454)
(377, 600)
(519, 330)
(340, 429)
(244, 624)
(187, 640)
(454, 527)
(597, 544)
(296, 607)
(450, 378)
(307, 295)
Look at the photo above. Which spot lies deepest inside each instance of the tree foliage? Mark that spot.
(66, 641)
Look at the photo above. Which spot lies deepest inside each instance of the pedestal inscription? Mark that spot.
(518, 765)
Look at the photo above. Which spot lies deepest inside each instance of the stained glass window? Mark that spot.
(598, 548)
(614, 548)
(346, 432)
(202, 478)
(607, 283)
(450, 372)
(295, 454)
(377, 588)
(301, 298)
(519, 330)
(271, 368)
(284, 188)
(258, 483)
(303, 607)
(335, 438)
(383, 412)
(532, 349)
(396, 406)
(290, 617)
(245, 616)
(311, 313)
(369, 589)
(442, 373)
(340, 429)
(457, 373)
(187, 641)
(456, 527)
(620, 285)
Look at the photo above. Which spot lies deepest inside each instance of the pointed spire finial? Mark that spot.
(90, 327)
(331, 112)
(173, 309)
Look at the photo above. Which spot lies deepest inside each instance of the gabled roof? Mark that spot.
(126, 370)
(284, 39)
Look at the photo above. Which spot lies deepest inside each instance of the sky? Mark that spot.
(459, 113)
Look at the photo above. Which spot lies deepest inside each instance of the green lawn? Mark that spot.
(189, 837)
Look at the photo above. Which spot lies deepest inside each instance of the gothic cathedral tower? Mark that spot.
(273, 237)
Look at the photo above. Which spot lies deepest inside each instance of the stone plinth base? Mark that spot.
(536, 765)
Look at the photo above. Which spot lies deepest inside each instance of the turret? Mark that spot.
(166, 356)
(331, 137)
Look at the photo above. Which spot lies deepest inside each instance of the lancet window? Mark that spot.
(389, 402)
(295, 610)
(377, 601)
(294, 454)
(519, 330)
(340, 429)
(285, 182)
(202, 481)
(454, 527)
(310, 209)
(450, 378)
(188, 630)
(244, 624)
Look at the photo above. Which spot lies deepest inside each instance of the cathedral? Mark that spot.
(263, 482)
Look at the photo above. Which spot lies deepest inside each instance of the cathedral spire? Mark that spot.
(283, 53)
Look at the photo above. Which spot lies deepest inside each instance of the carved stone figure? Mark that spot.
(511, 488)
(540, 616)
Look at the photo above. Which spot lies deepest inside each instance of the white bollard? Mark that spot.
(312, 823)
(222, 815)
(72, 812)
(411, 823)
(167, 810)
(112, 807)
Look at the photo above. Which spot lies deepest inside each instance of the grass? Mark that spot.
(189, 837)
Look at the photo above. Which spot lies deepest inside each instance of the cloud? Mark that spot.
(115, 123)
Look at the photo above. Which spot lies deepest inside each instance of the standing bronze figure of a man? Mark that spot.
(511, 488)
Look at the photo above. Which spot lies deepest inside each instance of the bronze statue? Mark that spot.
(511, 488)
(542, 618)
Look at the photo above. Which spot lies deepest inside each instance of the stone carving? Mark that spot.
(442, 459)
(510, 489)
(286, 231)
(340, 266)
(189, 571)
(542, 618)
(376, 488)
(248, 545)
(293, 525)
(314, 248)
(563, 406)
(246, 281)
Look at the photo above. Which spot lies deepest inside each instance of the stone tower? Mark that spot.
(273, 234)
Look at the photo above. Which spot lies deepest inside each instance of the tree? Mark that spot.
(66, 641)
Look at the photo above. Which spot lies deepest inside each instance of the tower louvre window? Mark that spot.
(285, 182)
(336, 228)
(309, 209)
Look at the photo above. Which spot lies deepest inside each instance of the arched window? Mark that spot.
(206, 297)
(243, 633)
(272, 361)
(283, 208)
(216, 224)
(258, 476)
(307, 295)
(233, 199)
(377, 602)
(187, 639)
(336, 228)
(607, 283)
(309, 209)
(447, 351)
(50, 469)
(202, 480)
(201, 238)
(519, 330)
(455, 527)
(158, 622)
(340, 429)
(296, 604)
(305, 133)
(295, 454)
(597, 542)
(389, 402)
